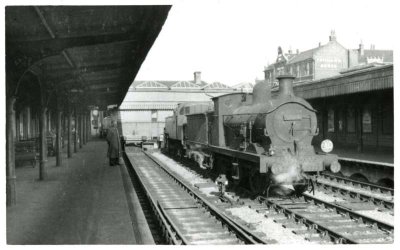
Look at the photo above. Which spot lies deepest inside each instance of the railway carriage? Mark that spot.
(252, 138)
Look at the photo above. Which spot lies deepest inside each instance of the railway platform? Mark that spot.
(368, 156)
(81, 202)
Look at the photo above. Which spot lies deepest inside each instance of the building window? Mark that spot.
(331, 120)
(187, 110)
(341, 121)
(311, 68)
(280, 70)
(268, 75)
(307, 69)
(366, 121)
(298, 70)
(154, 116)
(287, 69)
(387, 119)
(351, 120)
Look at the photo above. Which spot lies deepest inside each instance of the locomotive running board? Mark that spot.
(258, 159)
(236, 154)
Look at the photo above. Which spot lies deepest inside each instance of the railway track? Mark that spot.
(364, 193)
(323, 222)
(184, 216)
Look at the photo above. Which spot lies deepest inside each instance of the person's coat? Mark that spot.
(114, 146)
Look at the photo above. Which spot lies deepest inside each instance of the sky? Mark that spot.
(232, 41)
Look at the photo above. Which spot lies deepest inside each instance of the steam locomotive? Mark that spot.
(257, 139)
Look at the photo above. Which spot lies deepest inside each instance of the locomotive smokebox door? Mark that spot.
(292, 123)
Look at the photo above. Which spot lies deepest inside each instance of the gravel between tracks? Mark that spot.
(386, 197)
(325, 197)
(188, 175)
(261, 224)
(385, 217)
(272, 230)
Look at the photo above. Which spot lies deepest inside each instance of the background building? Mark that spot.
(246, 87)
(148, 103)
(324, 61)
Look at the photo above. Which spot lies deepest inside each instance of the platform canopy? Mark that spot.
(88, 53)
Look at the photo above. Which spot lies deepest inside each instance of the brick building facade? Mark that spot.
(324, 61)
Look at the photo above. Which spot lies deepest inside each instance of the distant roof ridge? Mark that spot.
(308, 53)
(217, 85)
(167, 83)
(303, 55)
(364, 66)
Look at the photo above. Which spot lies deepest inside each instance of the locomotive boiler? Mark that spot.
(256, 139)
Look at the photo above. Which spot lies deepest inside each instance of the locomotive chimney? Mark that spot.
(285, 85)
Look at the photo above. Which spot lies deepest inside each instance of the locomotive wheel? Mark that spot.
(257, 182)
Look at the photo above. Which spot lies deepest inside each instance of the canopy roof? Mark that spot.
(92, 52)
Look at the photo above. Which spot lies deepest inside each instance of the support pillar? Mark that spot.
(84, 128)
(80, 130)
(10, 153)
(87, 127)
(76, 131)
(48, 121)
(16, 125)
(28, 123)
(69, 133)
(63, 129)
(58, 139)
(43, 144)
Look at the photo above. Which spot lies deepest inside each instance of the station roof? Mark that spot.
(369, 79)
(148, 106)
(90, 52)
(183, 85)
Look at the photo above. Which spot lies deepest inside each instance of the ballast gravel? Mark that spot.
(272, 230)
(325, 197)
(387, 197)
(384, 217)
(188, 175)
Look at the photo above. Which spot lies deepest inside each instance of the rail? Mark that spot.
(174, 229)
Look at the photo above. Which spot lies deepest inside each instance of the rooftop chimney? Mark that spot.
(332, 37)
(297, 51)
(285, 85)
(319, 44)
(372, 46)
(197, 77)
(361, 49)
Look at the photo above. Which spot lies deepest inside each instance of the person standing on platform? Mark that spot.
(114, 146)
